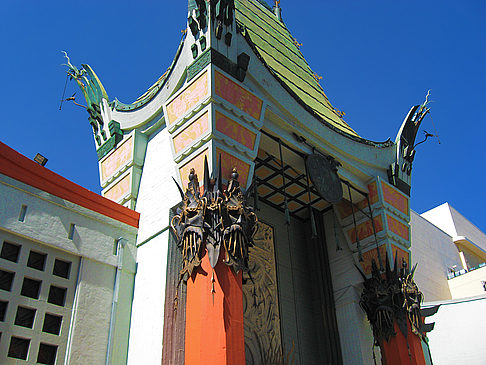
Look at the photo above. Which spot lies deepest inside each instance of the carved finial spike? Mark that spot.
(235, 174)
(192, 174)
(207, 181)
(220, 175)
(277, 10)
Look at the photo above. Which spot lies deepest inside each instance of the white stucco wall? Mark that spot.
(157, 195)
(458, 336)
(466, 228)
(46, 226)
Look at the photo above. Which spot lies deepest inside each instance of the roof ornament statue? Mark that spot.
(399, 173)
(95, 95)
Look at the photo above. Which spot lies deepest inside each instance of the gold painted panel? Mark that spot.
(119, 157)
(119, 190)
(196, 129)
(197, 163)
(260, 299)
(189, 98)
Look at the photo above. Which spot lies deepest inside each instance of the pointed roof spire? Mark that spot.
(277, 10)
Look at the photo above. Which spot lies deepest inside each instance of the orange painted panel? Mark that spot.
(373, 193)
(190, 97)
(230, 128)
(396, 199)
(365, 229)
(119, 190)
(214, 321)
(397, 227)
(345, 210)
(191, 133)
(198, 164)
(228, 162)
(122, 155)
(237, 95)
(371, 255)
(401, 254)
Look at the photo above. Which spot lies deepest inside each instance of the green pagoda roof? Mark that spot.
(278, 50)
(272, 42)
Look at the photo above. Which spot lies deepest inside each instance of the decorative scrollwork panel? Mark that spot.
(261, 310)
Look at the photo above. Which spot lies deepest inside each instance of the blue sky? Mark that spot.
(376, 59)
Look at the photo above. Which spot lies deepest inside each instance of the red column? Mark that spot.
(214, 321)
(396, 352)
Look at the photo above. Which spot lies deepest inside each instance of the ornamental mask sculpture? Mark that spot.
(218, 218)
(393, 297)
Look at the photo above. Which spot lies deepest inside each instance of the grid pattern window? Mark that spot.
(37, 285)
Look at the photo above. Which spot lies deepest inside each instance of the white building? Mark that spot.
(451, 255)
(67, 266)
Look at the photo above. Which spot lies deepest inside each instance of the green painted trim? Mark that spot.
(109, 145)
(199, 64)
(114, 128)
(153, 236)
(218, 59)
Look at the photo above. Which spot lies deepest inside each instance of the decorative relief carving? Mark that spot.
(218, 218)
(393, 298)
(260, 299)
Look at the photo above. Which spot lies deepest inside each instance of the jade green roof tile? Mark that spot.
(276, 47)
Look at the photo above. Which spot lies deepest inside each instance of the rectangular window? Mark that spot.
(19, 348)
(25, 317)
(23, 212)
(47, 354)
(52, 324)
(61, 268)
(3, 310)
(57, 295)
(6, 280)
(72, 229)
(31, 288)
(10, 251)
(37, 260)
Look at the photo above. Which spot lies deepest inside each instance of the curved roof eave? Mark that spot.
(152, 91)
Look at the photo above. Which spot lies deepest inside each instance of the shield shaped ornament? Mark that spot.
(323, 174)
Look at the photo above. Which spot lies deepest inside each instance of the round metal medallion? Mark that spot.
(324, 177)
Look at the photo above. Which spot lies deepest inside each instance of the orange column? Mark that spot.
(397, 352)
(214, 320)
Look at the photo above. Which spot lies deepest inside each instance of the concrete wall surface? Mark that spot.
(61, 230)
(434, 252)
(458, 336)
(469, 284)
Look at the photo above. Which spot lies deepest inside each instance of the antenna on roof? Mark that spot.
(277, 10)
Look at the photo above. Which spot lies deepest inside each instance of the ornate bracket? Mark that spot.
(218, 218)
(393, 297)
(399, 173)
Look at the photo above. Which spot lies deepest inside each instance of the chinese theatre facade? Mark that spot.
(270, 231)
